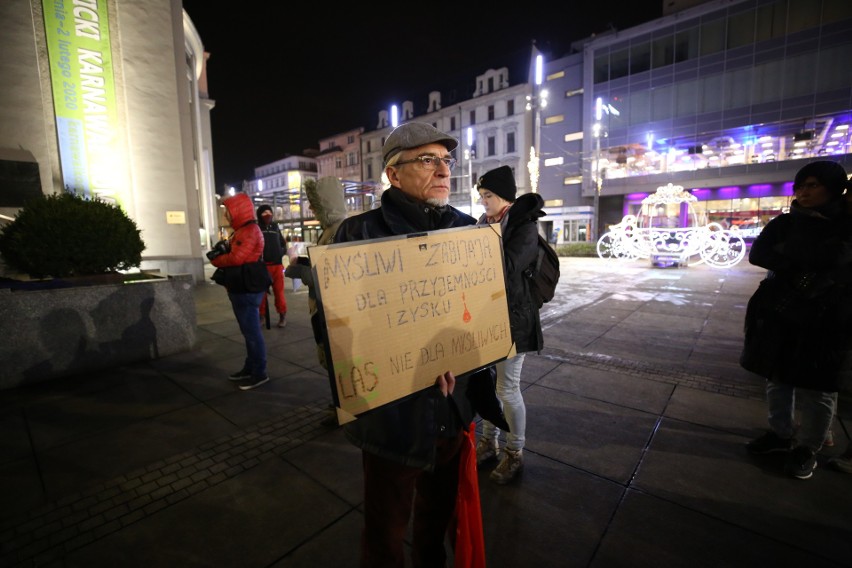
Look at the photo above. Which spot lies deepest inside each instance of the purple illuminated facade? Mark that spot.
(730, 125)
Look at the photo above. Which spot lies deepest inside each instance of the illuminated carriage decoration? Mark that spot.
(668, 239)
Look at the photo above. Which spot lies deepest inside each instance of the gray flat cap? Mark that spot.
(413, 135)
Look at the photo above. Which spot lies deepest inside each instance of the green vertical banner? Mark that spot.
(84, 98)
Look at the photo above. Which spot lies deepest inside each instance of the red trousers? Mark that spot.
(389, 496)
(276, 272)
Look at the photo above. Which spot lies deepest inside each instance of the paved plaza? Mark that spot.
(638, 415)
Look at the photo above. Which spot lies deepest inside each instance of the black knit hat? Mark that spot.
(499, 181)
(262, 208)
(830, 174)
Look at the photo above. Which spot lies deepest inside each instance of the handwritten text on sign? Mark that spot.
(403, 310)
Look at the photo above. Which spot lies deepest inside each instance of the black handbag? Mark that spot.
(254, 276)
(482, 394)
(251, 277)
(218, 276)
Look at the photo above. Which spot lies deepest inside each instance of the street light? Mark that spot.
(537, 101)
(598, 131)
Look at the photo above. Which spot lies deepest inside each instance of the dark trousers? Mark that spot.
(390, 490)
(245, 308)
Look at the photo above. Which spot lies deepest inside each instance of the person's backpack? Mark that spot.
(544, 273)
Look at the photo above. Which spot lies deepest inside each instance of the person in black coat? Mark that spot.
(274, 248)
(798, 328)
(518, 219)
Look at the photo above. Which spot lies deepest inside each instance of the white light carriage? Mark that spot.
(668, 232)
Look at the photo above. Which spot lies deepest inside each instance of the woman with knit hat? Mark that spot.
(798, 328)
(518, 220)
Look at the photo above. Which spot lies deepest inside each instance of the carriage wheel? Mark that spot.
(724, 249)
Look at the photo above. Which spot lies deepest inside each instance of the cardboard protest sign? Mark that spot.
(401, 311)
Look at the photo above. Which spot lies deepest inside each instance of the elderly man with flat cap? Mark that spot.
(415, 443)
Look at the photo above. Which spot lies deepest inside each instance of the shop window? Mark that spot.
(575, 231)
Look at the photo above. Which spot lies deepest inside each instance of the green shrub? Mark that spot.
(67, 235)
(577, 249)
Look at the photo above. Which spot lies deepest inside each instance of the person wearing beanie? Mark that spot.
(798, 325)
(518, 219)
(414, 446)
(274, 248)
(499, 181)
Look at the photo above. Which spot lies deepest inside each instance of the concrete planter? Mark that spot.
(89, 326)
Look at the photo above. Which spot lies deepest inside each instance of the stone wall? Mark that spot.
(54, 333)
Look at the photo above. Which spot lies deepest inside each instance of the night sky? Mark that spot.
(283, 75)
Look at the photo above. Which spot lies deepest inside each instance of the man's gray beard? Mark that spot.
(438, 202)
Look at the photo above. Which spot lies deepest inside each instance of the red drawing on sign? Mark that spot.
(466, 317)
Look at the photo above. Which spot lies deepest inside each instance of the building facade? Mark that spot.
(727, 99)
(493, 129)
(110, 100)
(281, 184)
(340, 156)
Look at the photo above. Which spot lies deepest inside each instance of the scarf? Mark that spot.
(499, 217)
(422, 216)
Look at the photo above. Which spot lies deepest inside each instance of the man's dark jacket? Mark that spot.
(274, 244)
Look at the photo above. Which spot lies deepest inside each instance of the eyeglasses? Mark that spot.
(430, 162)
(809, 185)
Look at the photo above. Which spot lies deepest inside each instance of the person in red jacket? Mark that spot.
(245, 245)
